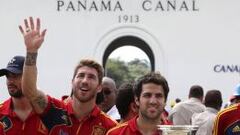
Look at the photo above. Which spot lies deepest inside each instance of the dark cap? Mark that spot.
(15, 66)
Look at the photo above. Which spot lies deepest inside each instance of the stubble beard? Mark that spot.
(17, 94)
(147, 116)
(83, 99)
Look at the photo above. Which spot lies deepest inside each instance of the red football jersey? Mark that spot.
(128, 128)
(14, 126)
(228, 121)
(59, 118)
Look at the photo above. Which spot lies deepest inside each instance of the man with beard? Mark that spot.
(16, 113)
(80, 115)
(151, 93)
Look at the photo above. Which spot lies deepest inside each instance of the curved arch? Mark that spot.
(132, 41)
(125, 35)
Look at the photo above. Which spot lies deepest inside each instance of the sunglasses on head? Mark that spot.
(107, 92)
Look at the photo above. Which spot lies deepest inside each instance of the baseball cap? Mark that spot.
(237, 90)
(15, 65)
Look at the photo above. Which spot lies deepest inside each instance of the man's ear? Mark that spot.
(99, 88)
(137, 101)
(133, 107)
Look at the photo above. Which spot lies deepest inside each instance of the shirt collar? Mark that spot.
(94, 113)
(6, 108)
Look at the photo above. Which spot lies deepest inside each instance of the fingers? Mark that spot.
(26, 24)
(43, 33)
(21, 29)
(38, 24)
(31, 23)
(31, 26)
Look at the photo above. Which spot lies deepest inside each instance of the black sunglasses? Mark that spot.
(107, 92)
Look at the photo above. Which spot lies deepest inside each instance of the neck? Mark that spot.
(82, 109)
(130, 115)
(21, 104)
(146, 126)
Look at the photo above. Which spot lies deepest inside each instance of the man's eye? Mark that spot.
(92, 77)
(146, 95)
(80, 76)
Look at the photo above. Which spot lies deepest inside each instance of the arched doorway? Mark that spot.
(131, 35)
(132, 41)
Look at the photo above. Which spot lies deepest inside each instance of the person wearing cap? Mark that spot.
(151, 91)
(80, 115)
(16, 113)
(227, 121)
(235, 98)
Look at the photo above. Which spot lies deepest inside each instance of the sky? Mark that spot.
(128, 53)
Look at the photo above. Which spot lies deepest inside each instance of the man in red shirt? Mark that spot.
(16, 113)
(78, 116)
(151, 93)
(227, 121)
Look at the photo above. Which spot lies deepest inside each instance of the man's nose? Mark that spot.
(153, 100)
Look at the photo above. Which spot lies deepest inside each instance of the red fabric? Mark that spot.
(96, 122)
(128, 128)
(228, 121)
(164, 118)
(1, 129)
(14, 126)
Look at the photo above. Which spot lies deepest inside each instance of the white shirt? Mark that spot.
(113, 113)
(182, 112)
(205, 121)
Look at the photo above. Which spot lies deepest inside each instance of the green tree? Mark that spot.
(121, 71)
(138, 68)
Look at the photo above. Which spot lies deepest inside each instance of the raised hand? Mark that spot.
(33, 38)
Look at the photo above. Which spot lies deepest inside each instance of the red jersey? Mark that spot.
(128, 128)
(228, 121)
(14, 126)
(59, 118)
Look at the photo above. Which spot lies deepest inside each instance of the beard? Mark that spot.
(84, 98)
(17, 94)
(150, 117)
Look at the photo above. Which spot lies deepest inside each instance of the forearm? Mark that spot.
(29, 83)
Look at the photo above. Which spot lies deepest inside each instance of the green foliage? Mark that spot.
(122, 71)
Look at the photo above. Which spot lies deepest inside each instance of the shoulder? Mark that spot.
(107, 119)
(118, 129)
(227, 111)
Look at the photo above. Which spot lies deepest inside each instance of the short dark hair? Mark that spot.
(196, 91)
(152, 77)
(92, 64)
(213, 99)
(124, 98)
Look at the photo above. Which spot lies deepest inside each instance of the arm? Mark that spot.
(33, 40)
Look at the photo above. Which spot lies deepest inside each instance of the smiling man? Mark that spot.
(151, 93)
(78, 116)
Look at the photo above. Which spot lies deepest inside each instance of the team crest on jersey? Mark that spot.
(234, 129)
(97, 130)
(7, 123)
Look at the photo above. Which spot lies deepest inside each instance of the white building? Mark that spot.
(188, 41)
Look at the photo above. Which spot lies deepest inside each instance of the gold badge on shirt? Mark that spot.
(98, 130)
